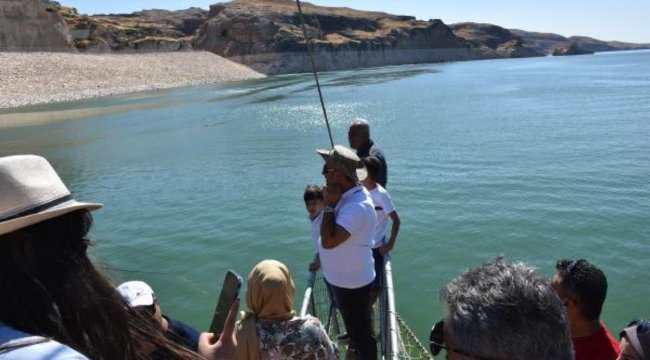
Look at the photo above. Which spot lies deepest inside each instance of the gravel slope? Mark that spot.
(40, 77)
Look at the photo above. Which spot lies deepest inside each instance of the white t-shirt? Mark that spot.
(383, 207)
(315, 229)
(350, 265)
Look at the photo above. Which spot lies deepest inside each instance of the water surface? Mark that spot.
(536, 159)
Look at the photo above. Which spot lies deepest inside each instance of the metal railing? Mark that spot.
(389, 332)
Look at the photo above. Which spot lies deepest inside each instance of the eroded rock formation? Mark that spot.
(546, 43)
(148, 30)
(495, 41)
(32, 25)
(267, 36)
(570, 49)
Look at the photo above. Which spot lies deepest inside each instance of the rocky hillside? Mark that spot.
(32, 25)
(546, 43)
(494, 40)
(267, 35)
(570, 49)
(149, 30)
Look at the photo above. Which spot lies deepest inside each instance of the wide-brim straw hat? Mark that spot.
(346, 160)
(32, 192)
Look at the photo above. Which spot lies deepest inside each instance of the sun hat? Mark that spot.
(638, 334)
(32, 192)
(137, 293)
(346, 160)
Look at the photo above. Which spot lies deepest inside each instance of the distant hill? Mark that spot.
(267, 35)
(546, 43)
(494, 39)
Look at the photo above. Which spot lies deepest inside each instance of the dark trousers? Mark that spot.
(379, 269)
(357, 315)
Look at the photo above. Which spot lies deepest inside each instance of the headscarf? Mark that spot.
(269, 298)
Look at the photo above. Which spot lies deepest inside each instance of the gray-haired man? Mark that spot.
(502, 311)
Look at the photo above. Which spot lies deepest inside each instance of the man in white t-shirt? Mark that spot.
(345, 247)
(385, 209)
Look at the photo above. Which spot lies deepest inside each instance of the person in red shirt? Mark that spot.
(582, 287)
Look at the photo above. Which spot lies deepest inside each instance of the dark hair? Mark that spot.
(313, 192)
(50, 288)
(585, 283)
(373, 166)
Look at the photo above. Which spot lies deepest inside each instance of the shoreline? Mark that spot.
(36, 78)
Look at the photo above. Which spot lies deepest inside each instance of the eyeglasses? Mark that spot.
(568, 267)
(327, 170)
(437, 342)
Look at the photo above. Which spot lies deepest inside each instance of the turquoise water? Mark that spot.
(538, 159)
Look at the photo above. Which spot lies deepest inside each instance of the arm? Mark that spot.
(393, 233)
(331, 235)
(315, 264)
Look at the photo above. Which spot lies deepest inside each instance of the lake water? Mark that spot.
(537, 159)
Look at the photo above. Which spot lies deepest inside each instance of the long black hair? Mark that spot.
(51, 288)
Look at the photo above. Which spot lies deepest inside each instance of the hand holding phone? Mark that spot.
(229, 293)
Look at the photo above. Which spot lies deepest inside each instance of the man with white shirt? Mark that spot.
(347, 232)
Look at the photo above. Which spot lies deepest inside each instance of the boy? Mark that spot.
(385, 209)
(314, 203)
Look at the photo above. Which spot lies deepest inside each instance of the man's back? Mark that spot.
(598, 346)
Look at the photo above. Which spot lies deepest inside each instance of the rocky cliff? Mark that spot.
(267, 36)
(546, 43)
(148, 30)
(570, 49)
(494, 40)
(32, 25)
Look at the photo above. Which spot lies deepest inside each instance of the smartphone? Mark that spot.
(229, 292)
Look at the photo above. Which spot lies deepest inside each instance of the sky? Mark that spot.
(622, 20)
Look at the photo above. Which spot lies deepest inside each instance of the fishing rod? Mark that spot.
(310, 50)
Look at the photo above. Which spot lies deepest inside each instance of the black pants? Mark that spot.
(379, 269)
(357, 315)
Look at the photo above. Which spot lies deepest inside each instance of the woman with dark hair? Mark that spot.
(54, 303)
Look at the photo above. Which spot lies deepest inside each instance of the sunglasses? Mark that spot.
(437, 342)
(327, 170)
(568, 267)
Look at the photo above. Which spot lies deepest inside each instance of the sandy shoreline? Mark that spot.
(41, 77)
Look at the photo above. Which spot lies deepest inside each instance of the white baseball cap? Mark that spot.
(137, 293)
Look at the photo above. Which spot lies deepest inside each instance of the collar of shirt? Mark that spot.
(350, 192)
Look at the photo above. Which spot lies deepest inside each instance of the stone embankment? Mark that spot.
(42, 77)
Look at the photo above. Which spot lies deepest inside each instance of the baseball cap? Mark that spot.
(137, 293)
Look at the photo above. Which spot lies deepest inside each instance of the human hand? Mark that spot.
(384, 249)
(332, 195)
(224, 346)
(313, 266)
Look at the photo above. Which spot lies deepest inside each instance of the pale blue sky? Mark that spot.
(623, 20)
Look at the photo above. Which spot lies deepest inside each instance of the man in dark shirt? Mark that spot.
(359, 138)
